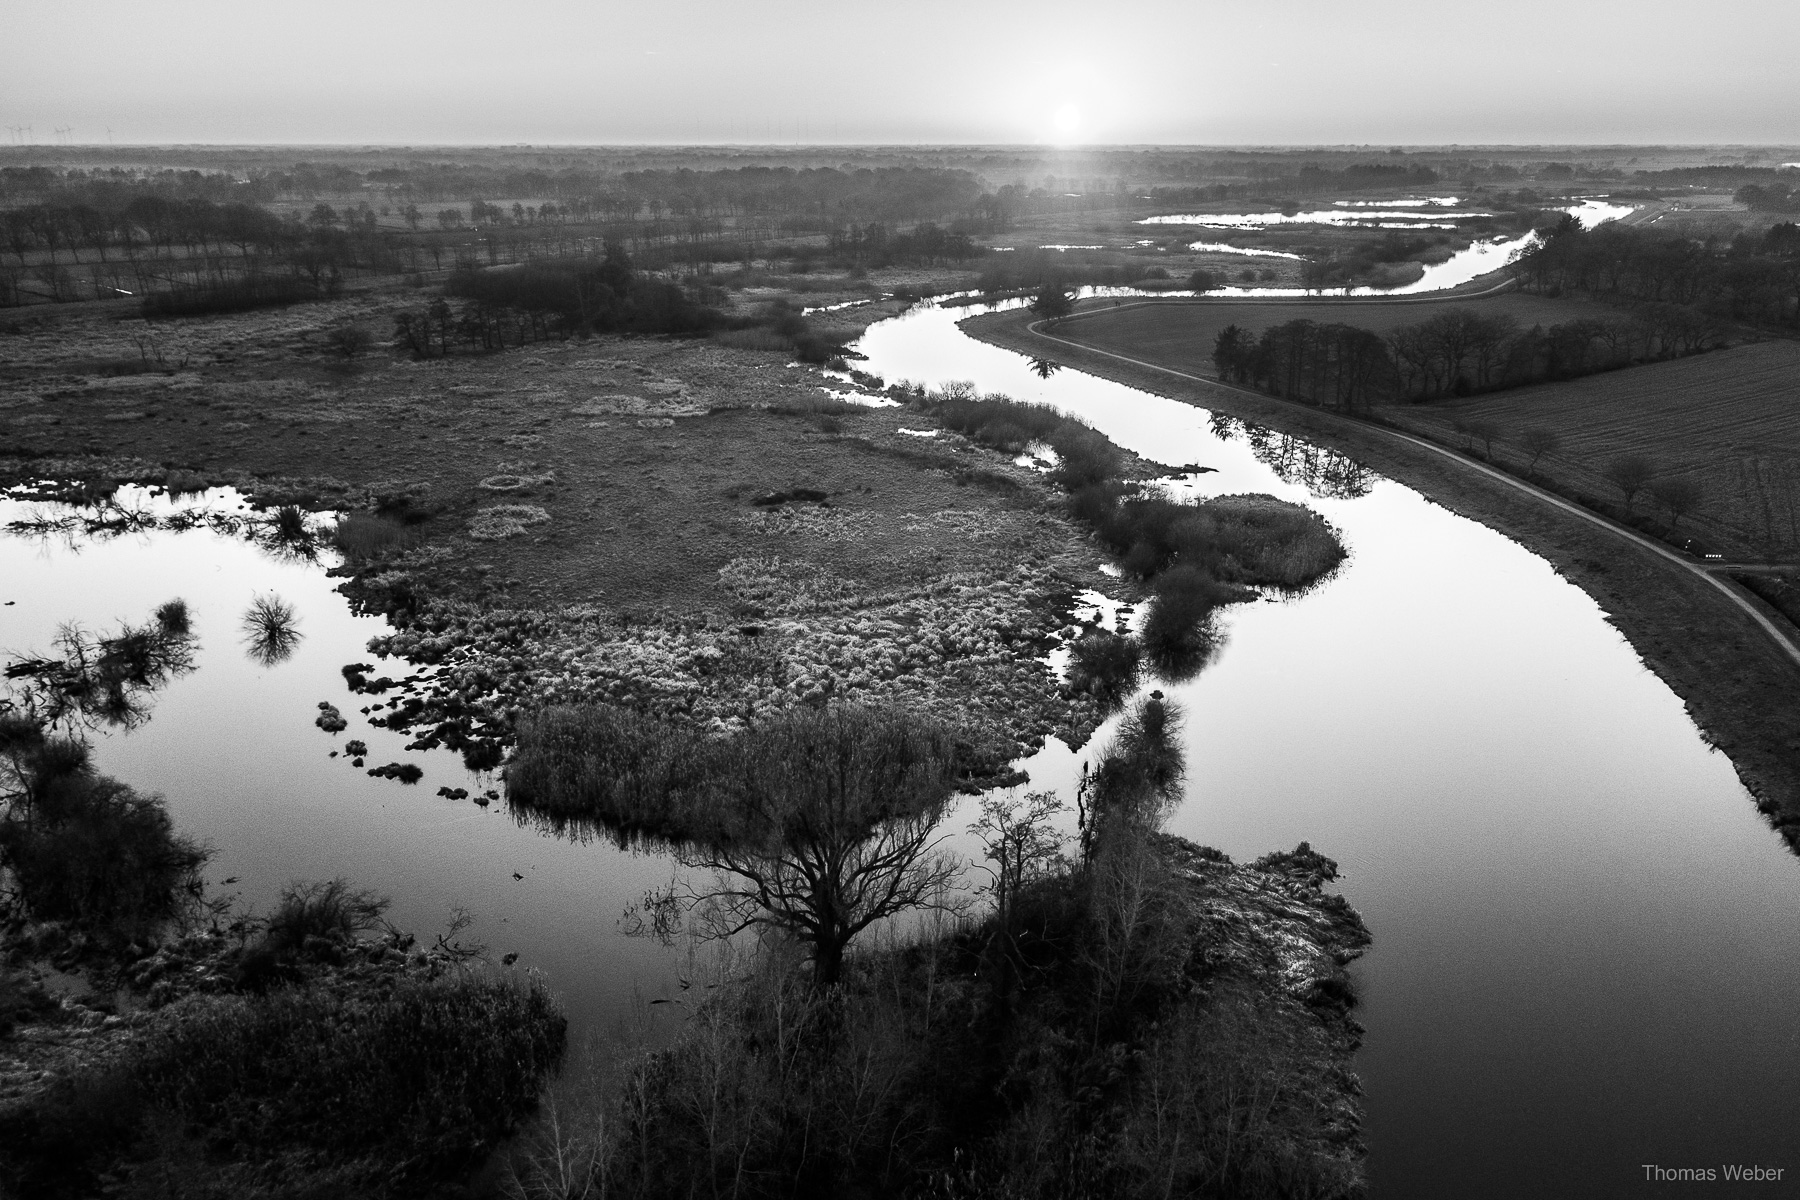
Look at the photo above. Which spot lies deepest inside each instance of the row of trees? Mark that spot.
(1755, 277)
(1454, 353)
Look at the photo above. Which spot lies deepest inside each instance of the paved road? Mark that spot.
(1780, 637)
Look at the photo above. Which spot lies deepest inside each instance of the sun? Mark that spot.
(1068, 121)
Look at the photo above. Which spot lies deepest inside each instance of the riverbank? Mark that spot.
(1738, 686)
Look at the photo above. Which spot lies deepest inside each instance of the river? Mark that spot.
(1585, 954)
(1585, 951)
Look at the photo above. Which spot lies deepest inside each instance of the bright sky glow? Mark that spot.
(446, 72)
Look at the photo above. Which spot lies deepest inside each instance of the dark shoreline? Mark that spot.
(1741, 692)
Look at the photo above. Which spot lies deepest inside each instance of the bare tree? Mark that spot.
(1679, 495)
(1485, 432)
(1629, 473)
(1019, 840)
(1538, 442)
(349, 340)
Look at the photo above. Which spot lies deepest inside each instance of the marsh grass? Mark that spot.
(757, 337)
(501, 521)
(362, 536)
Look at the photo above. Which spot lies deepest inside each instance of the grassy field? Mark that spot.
(1729, 421)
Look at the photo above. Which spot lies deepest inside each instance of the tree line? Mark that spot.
(1455, 353)
(538, 301)
(1754, 277)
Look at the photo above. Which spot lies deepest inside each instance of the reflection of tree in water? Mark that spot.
(815, 823)
(1325, 474)
(269, 625)
(78, 517)
(106, 680)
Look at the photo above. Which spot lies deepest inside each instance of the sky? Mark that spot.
(1316, 72)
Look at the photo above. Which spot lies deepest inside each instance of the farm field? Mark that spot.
(1725, 420)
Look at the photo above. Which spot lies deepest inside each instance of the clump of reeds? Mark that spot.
(329, 909)
(289, 524)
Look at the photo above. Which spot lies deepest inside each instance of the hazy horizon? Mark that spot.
(797, 72)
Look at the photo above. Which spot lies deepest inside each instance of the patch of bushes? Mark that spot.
(85, 849)
(783, 329)
(1247, 539)
(1104, 664)
(1178, 635)
(322, 1090)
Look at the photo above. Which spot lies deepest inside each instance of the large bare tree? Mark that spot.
(827, 822)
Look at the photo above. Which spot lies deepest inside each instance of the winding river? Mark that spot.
(1586, 954)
